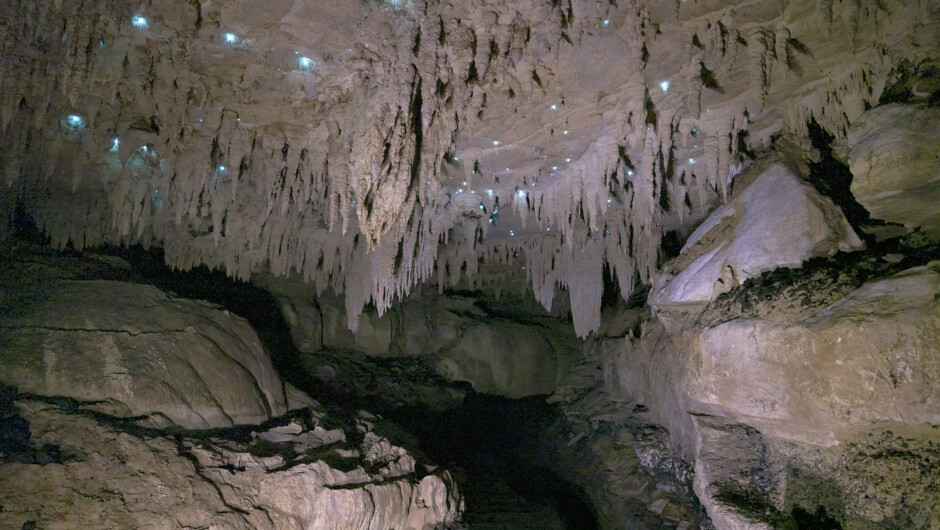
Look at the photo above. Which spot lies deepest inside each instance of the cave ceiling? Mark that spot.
(370, 146)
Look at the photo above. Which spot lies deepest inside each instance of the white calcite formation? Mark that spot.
(778, 220)
(370, 146)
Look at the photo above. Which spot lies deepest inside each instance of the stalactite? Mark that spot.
(247, 159)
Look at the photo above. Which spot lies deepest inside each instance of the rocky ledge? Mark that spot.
(64, 464)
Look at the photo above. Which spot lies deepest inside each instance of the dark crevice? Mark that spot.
(497, 445)
(833, 179)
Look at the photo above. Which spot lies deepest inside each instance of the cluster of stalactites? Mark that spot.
(345, 187)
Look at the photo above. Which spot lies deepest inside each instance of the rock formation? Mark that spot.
(135, 351)
(131, 408)
(112, 475)
(702, 234)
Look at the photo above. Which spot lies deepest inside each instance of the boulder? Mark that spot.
(895, 162)
(134, 350)
(830, 405)
(779, 220)
(872, 356)
(305, 323)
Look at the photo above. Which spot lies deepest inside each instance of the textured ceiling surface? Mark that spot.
(372, 145)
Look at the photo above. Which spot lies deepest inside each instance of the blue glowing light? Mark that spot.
(220, 169)
(230, 38)
(664, 85)
(567, 160)
(521, 194)
(691, 160)
(306, 63)
(489, 192)
(565, 132)
(554, 107)
(76, 121)
(115, 146)
(495, 142)
(606, 22)
(139, 22)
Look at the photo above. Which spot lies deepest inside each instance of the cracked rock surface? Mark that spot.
(109, 473)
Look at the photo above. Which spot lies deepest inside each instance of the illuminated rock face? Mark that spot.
(372, 146)
(102, 475)
(778, 220)
(137, 352)
(124, 407)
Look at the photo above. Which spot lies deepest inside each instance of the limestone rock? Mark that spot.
(872, 356)
(137, 351)
(107, 477)
(723, 450)
(305, 322)
(895, 162)
(513, 361)
(466, 343)
(777, 221)
(634, 477)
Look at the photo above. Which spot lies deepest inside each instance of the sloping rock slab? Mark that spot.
(137, 351)
(778, 221)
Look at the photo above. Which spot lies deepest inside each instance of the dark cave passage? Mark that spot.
(498, 445)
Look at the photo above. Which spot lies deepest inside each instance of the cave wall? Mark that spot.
(504, 345)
